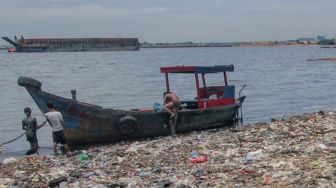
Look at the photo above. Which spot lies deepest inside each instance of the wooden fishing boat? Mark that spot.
(87, 123)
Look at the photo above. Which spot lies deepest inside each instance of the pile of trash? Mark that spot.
(298, 151)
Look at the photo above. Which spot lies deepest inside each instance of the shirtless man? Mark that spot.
(171, 104)
(29, 124)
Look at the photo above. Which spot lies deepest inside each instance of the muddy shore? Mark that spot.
(296, 152)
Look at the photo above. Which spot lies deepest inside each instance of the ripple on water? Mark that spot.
(279, 81)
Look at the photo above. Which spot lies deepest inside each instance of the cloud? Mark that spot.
(169, 20)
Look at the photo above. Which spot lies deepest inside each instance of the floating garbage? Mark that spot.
(295, 152)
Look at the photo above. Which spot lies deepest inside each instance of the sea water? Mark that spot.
(280, 82)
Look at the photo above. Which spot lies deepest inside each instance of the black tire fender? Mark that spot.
(29, 82)
(127, 125)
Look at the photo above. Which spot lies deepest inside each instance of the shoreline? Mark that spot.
(233, 46)
(144, 46)
(299, 150)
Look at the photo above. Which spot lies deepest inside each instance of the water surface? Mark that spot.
(279, 81)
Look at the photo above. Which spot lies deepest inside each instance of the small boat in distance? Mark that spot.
(72, 44)
(85, 123)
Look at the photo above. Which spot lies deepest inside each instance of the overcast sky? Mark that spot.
(169, 20)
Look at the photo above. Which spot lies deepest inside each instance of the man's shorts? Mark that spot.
(177, 106)
(58, 137)
(32, 139)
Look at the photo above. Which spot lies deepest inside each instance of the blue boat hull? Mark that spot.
(88, 124)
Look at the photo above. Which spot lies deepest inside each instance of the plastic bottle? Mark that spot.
(83, 157)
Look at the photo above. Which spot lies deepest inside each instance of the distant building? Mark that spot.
(308, 40)
(321, 38)
(324, 40)
(289, 42)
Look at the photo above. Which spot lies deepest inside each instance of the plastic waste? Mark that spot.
(20, 174)
(247, 171)
(197, 158)
(194, 154)
(9, 160)
(200, 159)
(83, 156)
(6, 182)
(157, 107)
(76, 184)
(255, 155)
(63, 185)
(56, 182)
(266, 180)
(294, 152)
(322, 146)
(120, 159)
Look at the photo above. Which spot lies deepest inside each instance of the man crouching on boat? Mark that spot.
(55, 118)
(171, 104)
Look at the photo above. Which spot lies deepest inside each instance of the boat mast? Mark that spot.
(225, 78)
(167, 81)
(204, 85)
(197, 88)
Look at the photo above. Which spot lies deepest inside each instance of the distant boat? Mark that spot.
(322, 59)
(73, 44)
(328, 46)
(86, 123)
(11, 50)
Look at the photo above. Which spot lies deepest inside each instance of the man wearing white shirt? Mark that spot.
(55, 118)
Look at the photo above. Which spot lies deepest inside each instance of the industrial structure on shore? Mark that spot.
(72, 44)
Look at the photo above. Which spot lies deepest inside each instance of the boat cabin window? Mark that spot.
(212, 92)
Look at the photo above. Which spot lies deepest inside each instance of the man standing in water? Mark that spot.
(29, 124)
(171, 104)
(55, 118)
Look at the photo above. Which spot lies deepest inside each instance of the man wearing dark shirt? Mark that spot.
(29, 124)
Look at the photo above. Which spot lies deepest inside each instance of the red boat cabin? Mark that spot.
(207, 96)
